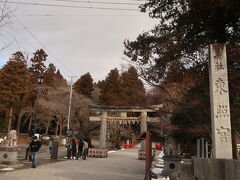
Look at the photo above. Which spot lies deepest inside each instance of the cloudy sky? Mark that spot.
(78, 39)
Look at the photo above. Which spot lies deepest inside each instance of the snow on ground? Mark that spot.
(7, 169)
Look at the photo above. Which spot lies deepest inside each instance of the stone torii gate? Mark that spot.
(123, 119)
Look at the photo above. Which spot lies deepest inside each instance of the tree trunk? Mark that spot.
(10, 122)
(47, 127)
(73, 130)
(56, 133)
(19, 121)
(30, 123)
(60, 132)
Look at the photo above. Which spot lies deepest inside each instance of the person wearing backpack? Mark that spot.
(35, 145)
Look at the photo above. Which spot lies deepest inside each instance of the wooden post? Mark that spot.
(148, 154)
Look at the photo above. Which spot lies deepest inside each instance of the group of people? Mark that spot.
(77, 149)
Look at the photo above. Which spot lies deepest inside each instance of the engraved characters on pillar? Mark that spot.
(224, 134)
(222, 111)
(220, 86)
(218, 64)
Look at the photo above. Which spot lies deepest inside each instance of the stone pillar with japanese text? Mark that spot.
(220, 108)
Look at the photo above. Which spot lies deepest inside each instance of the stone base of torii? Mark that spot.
(105, 118)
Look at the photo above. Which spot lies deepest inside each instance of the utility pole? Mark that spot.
(70, 102)
(69, 133)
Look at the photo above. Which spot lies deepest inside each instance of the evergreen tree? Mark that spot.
(38, 67)
(50, 75)
(59, 75)
(197, 22)
(59, 79)
(185, 28)
(132, 87)
(84, 85)
(14, 81)
(122, 90)
(111, 89)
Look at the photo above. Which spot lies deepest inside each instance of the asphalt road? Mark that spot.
(121, 165)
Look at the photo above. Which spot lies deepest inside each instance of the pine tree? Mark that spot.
(50, 76)
(132, 87)
(111, 89)
(122, 90)
(59, 75)
(38, 67)
(14, 81)
(185, 29)
(60, 79)
(84, 85)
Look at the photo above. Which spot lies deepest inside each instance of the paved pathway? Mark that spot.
(122, 165)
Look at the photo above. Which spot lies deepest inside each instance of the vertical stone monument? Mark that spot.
(9, 153)
(220, 108)
(13, 138)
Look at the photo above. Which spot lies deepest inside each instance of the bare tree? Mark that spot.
(5, 19)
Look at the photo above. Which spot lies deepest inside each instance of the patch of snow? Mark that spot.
(157, 170)
(7, 169)
(115, 151)
(161, 178)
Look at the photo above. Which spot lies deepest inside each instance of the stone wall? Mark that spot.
(211, 169)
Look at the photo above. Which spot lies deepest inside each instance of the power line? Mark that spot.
(25, 39)
(68, 6)
(14, 38)
(6, 45)
(30, 32)
(27, 51)
(34, 37)
(98, 2)
(75, 15)
(138, 0)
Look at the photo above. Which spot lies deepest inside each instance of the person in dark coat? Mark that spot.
(35, 145)
(73, 149)
(80, 149)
